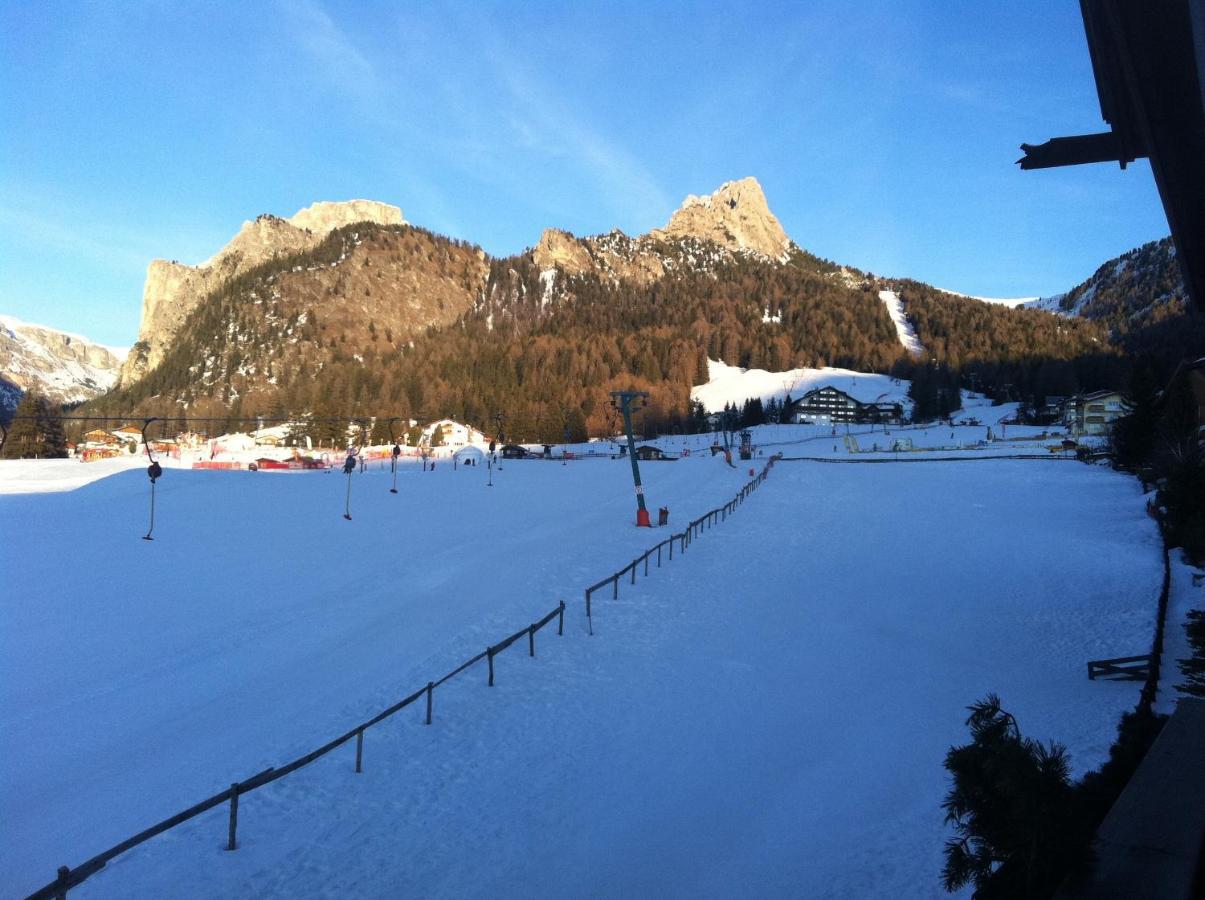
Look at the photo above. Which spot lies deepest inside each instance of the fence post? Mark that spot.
(231, 844)
(671, 549)
(430, 688)
(615, 586)
(531, 640)
(489, 652)
(359, 750)
(646, 565)
(589, 618)
(560, 619)
(634, 571)
(60, 889)
(659, 554)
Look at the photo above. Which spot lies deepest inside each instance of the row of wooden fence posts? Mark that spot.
(684, 540)
(232, 843)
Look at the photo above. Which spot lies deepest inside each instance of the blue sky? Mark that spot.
(884, 133)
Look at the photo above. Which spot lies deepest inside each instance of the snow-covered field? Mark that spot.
(766, 716)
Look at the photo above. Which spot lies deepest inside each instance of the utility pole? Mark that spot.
(627, 402)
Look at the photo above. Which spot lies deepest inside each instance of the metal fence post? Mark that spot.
(359, 749)
(232, 844)
(60, 889)
(560, 619)
(531, 640)
(615, 586)
(633, 571)
(489, 652)
(589, 618)
(430, 688)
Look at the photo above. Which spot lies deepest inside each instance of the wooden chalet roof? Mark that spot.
(1148, 59)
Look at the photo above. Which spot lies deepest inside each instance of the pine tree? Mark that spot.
(1013, 807)
(50, 424)
(24, 442)
(36, 431)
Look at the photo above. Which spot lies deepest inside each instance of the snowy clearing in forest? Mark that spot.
(903, 328)
(764, 716)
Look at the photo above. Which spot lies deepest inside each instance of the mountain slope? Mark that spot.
(66, 368)
(393, 320)
(173, 290)
(1140, 298)
(1128, 291)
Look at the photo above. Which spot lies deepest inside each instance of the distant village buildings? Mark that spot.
(1094, 413)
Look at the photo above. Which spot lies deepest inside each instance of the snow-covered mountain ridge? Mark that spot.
(65, 367)
(1126, 291)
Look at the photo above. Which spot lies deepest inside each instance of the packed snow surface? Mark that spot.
(731, 384)
(765, 716)
(903, 328)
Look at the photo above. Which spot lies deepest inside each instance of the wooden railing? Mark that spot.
(683, 541)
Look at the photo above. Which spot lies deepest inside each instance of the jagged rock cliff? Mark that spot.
(734, 219)
(65, 368)
(736, 216)
(173, 289)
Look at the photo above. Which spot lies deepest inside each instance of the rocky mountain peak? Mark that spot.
(324, 216)
(64, 367)
(560, 249)
(735, 216)
(173, 289)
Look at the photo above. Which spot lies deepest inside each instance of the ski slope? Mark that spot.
(690, 747)
(903, 328)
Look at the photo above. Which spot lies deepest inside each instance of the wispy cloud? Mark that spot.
(334, 56)
(106, 245)
(543, 120)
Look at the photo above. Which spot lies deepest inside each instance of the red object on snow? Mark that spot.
(642, 519)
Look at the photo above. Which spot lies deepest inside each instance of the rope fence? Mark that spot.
(68, 877)
(1151, 688)
(1049, 457)
(683, 540)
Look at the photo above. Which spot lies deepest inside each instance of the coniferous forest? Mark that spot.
(321, 333)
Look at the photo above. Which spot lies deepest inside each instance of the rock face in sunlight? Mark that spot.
(66, 368)
(704, 231)
(736, 216)
(173, 289)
